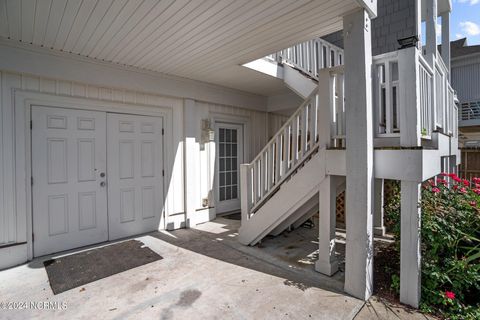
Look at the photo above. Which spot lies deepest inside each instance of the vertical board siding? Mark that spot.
(9, 81)
(466, 80)
(257, 127)
(13, 227)
(3, 231)
(275, 122)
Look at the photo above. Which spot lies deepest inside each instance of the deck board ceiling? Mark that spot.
(195, 39)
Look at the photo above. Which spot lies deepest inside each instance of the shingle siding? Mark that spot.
(395, 20)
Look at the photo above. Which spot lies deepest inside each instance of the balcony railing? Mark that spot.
(318, 122)
(470, 111)
(412, 99)
(311, 56)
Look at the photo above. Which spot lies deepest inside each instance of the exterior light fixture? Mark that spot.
(408, 42)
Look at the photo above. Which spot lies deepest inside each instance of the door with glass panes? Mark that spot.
(229, 156)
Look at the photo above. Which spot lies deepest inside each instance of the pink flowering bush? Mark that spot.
(450, 234)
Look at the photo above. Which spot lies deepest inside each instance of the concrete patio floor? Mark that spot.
(205, 274)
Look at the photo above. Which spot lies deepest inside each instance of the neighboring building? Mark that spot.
(466, 82)
(125, 117)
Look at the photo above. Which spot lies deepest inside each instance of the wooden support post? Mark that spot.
(359, 154)
(446, 41)
(410, 254)
(327, 263)
(410, 118)
(191, 162)
(431, 32)
(325, 117)
(378, 221)
(246, 195)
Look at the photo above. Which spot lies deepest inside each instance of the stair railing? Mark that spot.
(317, 122)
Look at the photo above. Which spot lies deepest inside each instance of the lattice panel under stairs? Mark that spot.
(389, 190)
(340, 205)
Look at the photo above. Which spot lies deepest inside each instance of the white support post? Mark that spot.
(327, 263)
(378, 220)
(431, 32)
(246, 195)
(359, 154)
(324, 109)
(410, 254)
(409, 94)
(446, 40)
(192, 129)
(418, 22)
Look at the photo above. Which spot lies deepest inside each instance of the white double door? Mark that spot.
(97, 176)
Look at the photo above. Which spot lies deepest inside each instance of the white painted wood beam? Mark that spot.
(191, 161)
(378, 214)
(359, 154)
(327, 263)
(446, 40)
(431, 31)
(409, 93)
(410, 254)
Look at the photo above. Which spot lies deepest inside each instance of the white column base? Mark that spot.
(379, 231)
(328, 268)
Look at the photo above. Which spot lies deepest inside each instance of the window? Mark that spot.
(228, 161)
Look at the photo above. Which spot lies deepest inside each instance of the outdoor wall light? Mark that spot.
(408, 42)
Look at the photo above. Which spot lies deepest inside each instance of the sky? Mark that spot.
(465, 21)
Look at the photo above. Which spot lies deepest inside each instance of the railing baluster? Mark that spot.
(255, 182)
(278, 158)
(304, 131)
(312, 121)
(294, 149)
(262, 175)
(270, 166)
(286, 150)
(341, 103)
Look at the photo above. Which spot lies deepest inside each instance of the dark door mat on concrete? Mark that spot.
(75, 270)
(233, 216)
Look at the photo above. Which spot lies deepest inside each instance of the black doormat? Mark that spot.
(233, 216)
(75, 270)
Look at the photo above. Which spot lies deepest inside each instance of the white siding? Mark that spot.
(13, 226)
(466, 78)
(200, 154)
(275, 122)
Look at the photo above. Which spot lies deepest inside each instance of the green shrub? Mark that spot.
(450, 232)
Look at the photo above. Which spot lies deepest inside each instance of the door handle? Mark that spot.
(102, 184)
(102, 174)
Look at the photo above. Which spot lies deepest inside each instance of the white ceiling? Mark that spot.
(203, 40)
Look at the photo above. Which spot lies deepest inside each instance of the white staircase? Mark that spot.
(279, 188)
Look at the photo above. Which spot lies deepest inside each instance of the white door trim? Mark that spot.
(240, 120)
(23, 155)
